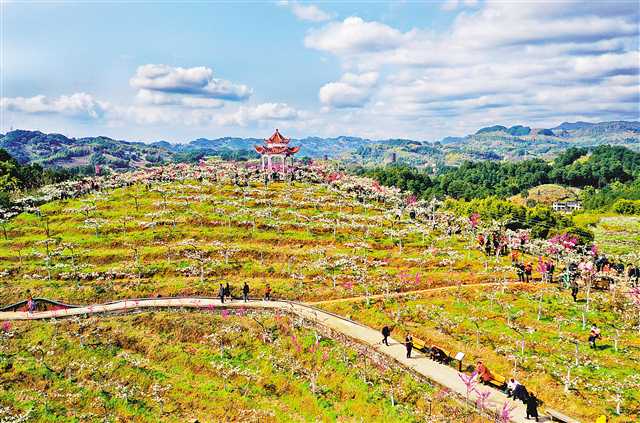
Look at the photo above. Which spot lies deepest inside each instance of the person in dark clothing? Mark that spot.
(408, 341)
(528, 269)
(520, 393)
(574, 290)
(267, 293)
(385, 334)
(227, 291)
(245, 292)
(221, 293)
(532, 407)
(520, 271)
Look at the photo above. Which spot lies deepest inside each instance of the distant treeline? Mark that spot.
(14, 176)
(606, 173)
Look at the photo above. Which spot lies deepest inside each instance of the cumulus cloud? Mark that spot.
(355, 35)
(264, 112)
(196, 81)
(155, 98)
(78, 105)
(306, 12)
(352, 90)
(499, 62)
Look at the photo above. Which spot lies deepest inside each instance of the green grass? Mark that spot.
(285, 235)
(175, 366)
(450, 321)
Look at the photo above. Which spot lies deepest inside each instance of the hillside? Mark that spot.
(55, 150)
(183, 230)
(546, 194)
(491, 143)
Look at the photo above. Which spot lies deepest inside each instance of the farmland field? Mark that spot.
(363, 251)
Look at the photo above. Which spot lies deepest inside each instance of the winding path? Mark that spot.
(441, 374)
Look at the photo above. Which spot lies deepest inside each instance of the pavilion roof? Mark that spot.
(277, 138)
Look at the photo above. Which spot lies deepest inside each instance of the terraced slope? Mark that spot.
(308, 241)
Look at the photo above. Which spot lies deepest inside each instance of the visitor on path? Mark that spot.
(385, 334)
(528, 268)
(408, 341)
(483, 373)
(511, 387)
(574, 289)
(31, 304)
(594, 334)
(267, 293)
(551, 268)
(532, 407)
(520, 393)
(245, 292)
(221, 293)
(227, 291)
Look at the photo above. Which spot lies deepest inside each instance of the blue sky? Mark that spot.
(424, 70)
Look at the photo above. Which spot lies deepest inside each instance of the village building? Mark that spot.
(566, 206)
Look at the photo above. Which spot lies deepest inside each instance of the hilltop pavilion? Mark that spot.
(276, 146)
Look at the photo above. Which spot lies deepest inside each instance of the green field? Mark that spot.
(315, 239)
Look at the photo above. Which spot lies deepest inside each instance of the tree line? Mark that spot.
(18, 177)
(606, 173)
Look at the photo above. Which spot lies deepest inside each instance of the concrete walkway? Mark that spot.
(443, 375)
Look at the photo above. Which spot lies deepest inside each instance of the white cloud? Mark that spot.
(78, 105)
(306, 12)
(353, 90)
(354, 35)
(155, 98)
(260, 113)
(196, 81)
(504, 62)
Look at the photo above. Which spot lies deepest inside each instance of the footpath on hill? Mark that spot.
(441, 374)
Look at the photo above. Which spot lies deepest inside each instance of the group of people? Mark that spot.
(225, 292)
(493, 243)
(524, 271)
(408, 340)
(515, 389)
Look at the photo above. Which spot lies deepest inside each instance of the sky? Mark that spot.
(176, 71)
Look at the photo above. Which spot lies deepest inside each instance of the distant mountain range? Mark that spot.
(491, 143)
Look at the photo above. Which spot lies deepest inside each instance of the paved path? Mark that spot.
(441, 374)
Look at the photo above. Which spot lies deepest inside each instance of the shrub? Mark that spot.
(626, 206)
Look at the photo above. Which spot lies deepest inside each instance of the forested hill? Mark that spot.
(56, 150)
(606, 173)
(496, 142)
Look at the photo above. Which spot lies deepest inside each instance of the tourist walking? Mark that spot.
(574, 289)
(31, 304)
(408, 342)
(385, 334)
(245, 292)
(594, 334)
(511, 387)
(221, 293)
(532, 407)
(227, 291)
(267, 293)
